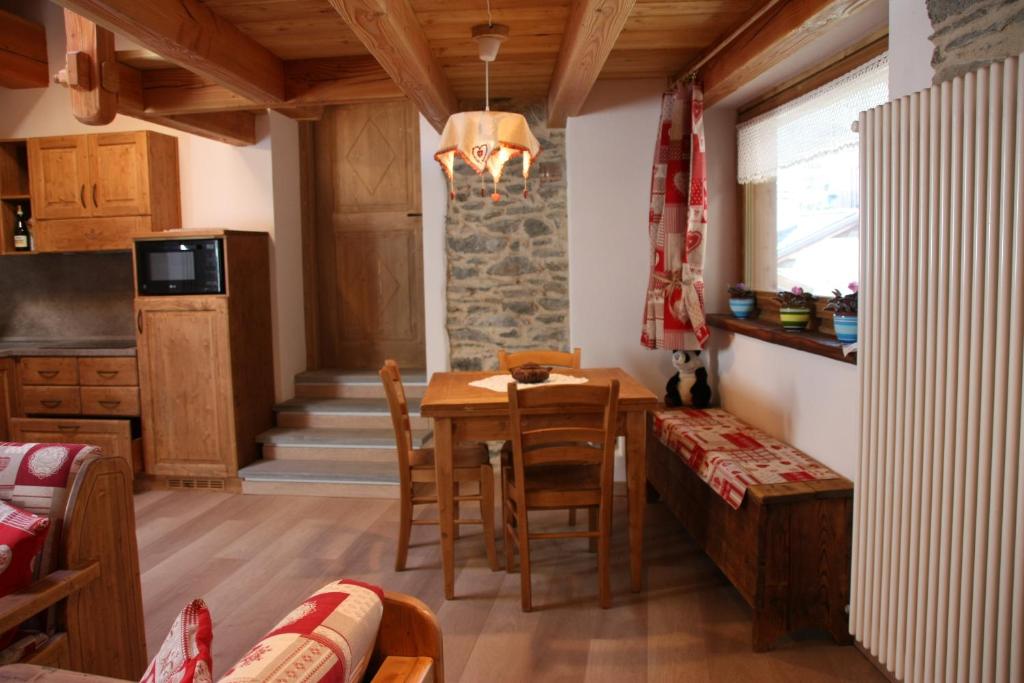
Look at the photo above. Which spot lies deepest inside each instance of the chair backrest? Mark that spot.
(562, 359)
(399, 406)
(584, 433)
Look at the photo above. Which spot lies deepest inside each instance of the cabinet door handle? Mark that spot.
(94, 196)
(48, 374)
(68, 428)
(138, 321)
(108, 374)
(81, 195)
(110, 405)
(51, 403)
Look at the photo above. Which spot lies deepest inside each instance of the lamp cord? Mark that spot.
(487, 66)
(490, 19)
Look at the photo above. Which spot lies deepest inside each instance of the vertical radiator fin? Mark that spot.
(938, 566)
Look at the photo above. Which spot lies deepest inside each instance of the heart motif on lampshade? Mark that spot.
(480, 153)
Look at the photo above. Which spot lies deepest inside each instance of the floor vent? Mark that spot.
(197, 484)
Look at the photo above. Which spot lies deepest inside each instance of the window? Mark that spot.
(799, 166)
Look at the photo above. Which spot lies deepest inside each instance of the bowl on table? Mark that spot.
(531, 373)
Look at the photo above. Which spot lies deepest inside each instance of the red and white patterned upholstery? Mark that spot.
(730, 455)
(329, 637)
(36, 477)
(22, 535)
(184, 656)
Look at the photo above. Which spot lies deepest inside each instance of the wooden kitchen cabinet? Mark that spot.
(97, 192)
(111, 436)
(8, 407)
(206, 369)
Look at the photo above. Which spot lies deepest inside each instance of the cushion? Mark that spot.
(329, 637)
(184, 656)
(730, 455)
(36, 477)
(22, 535)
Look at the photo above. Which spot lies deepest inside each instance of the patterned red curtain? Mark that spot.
(674, 310)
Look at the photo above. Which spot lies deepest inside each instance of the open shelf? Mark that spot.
(772, 332)
(7, 197)
(14, 190)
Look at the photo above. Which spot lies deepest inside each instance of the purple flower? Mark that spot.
(853, 286)
(799, 291)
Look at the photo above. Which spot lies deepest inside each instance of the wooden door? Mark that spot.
(59, 176)
(7, 395)
(184, 377)
(120, 174)
(369, 237)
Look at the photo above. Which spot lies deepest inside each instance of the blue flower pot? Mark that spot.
(846, 328)
(741, 308)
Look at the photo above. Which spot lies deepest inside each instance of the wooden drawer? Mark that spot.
(48, 370)
(110, 401)
(108, 372)
(50, 400)
(113, 437)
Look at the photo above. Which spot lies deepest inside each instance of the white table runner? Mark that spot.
(500, 383)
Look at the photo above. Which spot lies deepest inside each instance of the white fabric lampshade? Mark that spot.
(486, 140)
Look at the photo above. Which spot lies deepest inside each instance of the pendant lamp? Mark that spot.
(487, 140)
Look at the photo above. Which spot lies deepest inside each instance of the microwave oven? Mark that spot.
(180, 266)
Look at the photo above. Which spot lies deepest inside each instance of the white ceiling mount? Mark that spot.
(489, 38)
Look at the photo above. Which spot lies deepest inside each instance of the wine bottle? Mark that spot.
(21, 234)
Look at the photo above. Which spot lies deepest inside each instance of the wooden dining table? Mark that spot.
(466, 413)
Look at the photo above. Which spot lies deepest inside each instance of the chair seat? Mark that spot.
(465, 455)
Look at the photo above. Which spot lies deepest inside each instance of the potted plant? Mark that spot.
(795, 309)
(741, 300)
(844, 310)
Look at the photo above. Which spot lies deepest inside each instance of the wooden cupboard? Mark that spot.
(96, 192)
(111, 436)
(206, 367)
(8, 406)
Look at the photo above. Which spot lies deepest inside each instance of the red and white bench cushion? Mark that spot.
(730, 455)
(185, 655)
(36, 477)
(22, 535)
(329, 637)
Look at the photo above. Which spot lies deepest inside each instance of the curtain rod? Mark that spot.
(691, 71)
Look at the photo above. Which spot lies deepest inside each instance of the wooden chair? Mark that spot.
(416, 466)
(561, 359)
(507, 360)
(555, 467)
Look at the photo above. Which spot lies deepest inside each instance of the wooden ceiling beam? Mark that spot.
(309, 83)
(232, 127)
(391, 32)
(189, 34)
(591, 31)
(90, 57)
(783, 30)
(23, 60)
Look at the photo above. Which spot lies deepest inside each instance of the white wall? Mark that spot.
(435, 258)
(222, 186)
(910, 50)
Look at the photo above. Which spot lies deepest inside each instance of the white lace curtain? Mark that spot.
(812, 125)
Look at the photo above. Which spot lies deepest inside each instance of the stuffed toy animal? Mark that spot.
(689, 386)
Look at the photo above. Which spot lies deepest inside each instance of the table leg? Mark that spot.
(445, 500)
(636, 483)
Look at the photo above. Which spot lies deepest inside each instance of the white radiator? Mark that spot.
(938, 561)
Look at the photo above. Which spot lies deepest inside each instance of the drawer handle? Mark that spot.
(108, 374)
(68, 428)
(51, 403)
(48, 374)
(81, 195)
(109, 404)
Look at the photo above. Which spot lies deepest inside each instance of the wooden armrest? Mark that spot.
(405, 670)
(409, 629)
(16, 608)
(30, 673)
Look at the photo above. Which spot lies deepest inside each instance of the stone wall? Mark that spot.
(508, 265)
(968, 34)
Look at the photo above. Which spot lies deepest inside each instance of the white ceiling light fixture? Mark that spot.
(487, 140)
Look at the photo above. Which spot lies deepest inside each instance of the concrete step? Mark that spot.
(343, 384)
(344, 413)
(366, 445)
(321, 478)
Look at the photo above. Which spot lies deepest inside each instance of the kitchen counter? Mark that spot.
(67, 347)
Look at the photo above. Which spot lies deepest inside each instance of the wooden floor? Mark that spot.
(253, 558)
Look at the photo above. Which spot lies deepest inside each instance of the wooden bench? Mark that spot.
(787, 549)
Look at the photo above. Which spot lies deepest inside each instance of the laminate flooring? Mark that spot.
(253, 558)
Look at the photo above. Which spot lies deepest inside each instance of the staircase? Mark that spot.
(335, 438)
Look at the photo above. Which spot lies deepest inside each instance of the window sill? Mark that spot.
(771, 332)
